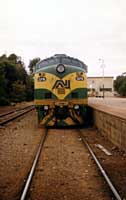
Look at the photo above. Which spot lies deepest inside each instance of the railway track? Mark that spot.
(24, 194)
(33, 168)
(9, 116)
(103, 172)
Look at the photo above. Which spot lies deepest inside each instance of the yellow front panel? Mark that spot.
(60, 92)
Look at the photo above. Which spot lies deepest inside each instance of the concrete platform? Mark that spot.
(110, 118)
(113, 106)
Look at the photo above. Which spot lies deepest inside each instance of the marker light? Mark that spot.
(46, 107)
(76, 107)
(60, 68)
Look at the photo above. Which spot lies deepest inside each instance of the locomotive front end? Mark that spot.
(61, 91)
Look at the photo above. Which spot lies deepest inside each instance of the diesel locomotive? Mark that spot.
(60, 91)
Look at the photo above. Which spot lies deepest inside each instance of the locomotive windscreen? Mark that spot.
(61, 59)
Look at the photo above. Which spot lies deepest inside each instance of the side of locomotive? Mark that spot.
(60, 92)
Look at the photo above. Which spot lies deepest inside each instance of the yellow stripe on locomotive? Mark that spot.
(61, 91)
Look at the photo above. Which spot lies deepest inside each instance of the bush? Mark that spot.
(120, 85)
(4, 101)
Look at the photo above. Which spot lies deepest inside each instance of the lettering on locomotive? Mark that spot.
(62, 84)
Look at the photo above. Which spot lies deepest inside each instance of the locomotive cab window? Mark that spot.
(66, 61)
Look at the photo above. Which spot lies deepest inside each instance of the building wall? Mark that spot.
(95, 86)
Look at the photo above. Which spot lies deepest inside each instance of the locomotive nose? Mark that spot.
(61, 112)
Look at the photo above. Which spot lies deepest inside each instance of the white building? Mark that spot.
(99, 86)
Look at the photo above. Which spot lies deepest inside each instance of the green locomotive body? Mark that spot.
(60, 92)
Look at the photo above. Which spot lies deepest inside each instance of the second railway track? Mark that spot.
(9, 116)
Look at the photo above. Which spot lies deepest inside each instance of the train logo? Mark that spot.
(62, 84)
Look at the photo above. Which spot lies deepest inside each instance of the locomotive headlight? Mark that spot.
(46, 107)
(60, 68)
(76, 107)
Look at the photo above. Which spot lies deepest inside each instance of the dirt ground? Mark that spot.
(65, 169)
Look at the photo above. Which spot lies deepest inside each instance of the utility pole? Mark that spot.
(102, 66)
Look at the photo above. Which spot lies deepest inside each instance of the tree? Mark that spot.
(32, 64)
(18, 91)
(15, 83)
(120, 85)
(3, 57)
(2, 81)
(29, 88)
(14, 58)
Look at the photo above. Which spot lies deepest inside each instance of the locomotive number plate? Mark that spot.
(61, 103)
(61, 90)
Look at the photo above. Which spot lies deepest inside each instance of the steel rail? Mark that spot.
(30, 176)
(13, 111)
(14, 117)
(111, 186)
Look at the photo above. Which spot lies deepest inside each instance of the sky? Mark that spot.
(90, 30)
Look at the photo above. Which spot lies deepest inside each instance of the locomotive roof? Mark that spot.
(61, 59)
